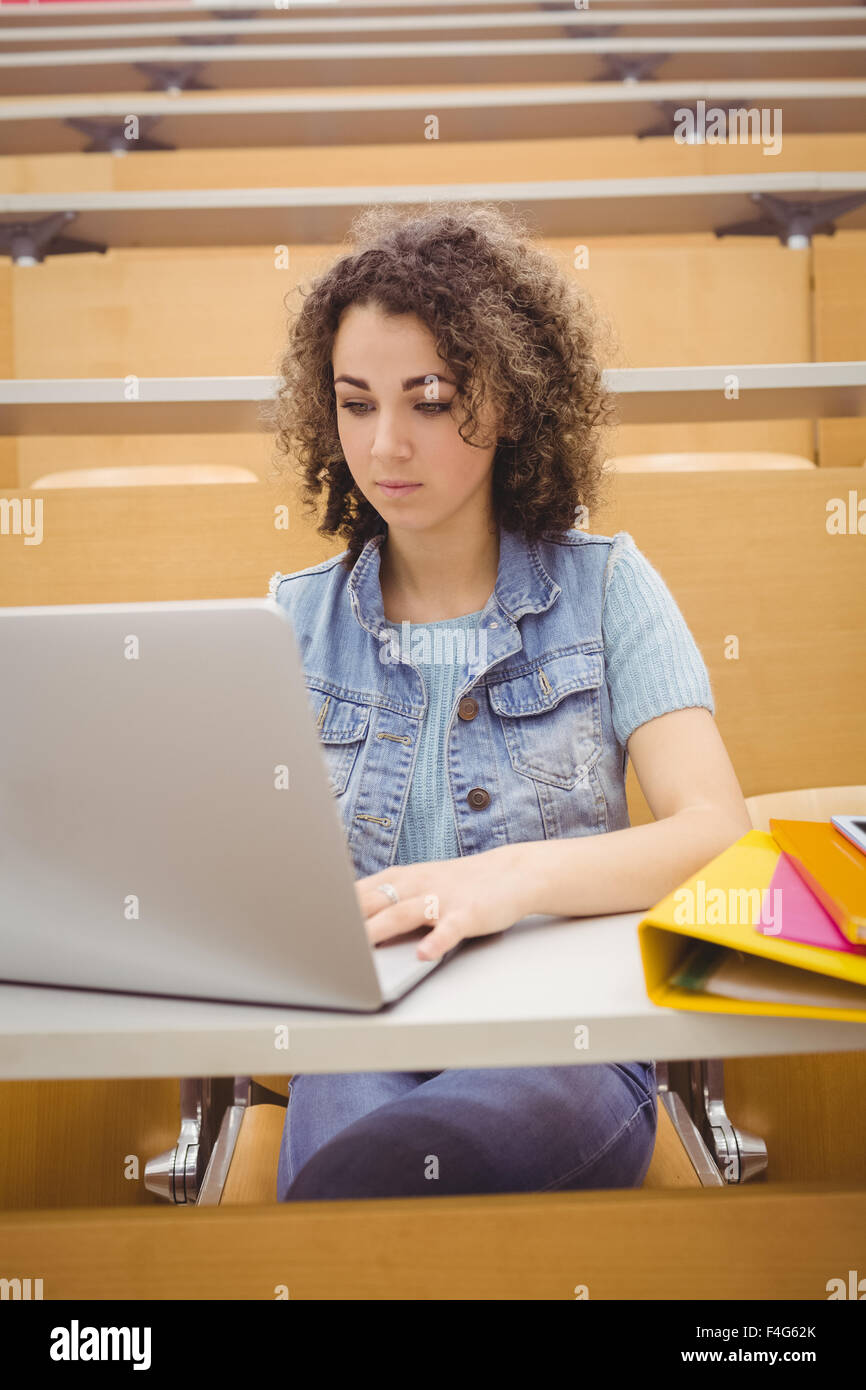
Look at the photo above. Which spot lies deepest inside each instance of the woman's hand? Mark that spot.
(472, 896)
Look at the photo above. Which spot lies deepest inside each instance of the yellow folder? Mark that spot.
(723, 891)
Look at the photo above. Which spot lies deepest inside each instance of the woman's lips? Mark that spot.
(400, 490)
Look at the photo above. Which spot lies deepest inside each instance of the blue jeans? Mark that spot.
(505, 1129)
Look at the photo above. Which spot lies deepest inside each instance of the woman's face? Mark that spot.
(398, 414)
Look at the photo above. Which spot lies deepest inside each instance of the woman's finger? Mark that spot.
(371, 899)
(443, 936)
(398, 918)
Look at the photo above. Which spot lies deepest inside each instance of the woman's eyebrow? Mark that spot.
(408, 384)
(414, 381)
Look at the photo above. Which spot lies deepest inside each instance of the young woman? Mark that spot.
(440, 388)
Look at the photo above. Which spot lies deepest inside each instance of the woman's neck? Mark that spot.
(427, 583)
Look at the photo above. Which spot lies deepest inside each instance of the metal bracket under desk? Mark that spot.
(193, 1173)
(693, 1096)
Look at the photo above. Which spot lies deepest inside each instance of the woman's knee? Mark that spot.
(623, 1160)
(323, 1106)
(366, 1160)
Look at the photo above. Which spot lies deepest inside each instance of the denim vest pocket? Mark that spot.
(341, 726)
(551, 717)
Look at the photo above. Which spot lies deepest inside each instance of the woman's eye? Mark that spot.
(425, 407)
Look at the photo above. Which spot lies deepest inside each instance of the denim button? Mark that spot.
(478, 798)
(468, 708)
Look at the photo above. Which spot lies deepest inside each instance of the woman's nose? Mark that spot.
(389, 439)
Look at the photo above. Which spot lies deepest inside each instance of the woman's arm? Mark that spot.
(692, 790)
(690, 785)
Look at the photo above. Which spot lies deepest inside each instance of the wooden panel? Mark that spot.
(8, 455)
(670, 1165)
(740, 1244)
(157, 312)
(71, 1143)
(639, 812)
(840, 296)
(220, 311)
(7, 353)
(808, 1110)
(779, 436)
(788, 705)
(423, 161)
(252, 1177)
(842, 444)
(275, 1083)
(126, 544)
(699, 303)
(840, 315)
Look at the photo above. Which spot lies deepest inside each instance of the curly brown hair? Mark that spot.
(512, 327)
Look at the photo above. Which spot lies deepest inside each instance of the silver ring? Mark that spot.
(389, 890)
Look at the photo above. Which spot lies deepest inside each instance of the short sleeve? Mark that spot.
(653, 664)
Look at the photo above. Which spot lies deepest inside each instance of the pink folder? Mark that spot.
(802, 916)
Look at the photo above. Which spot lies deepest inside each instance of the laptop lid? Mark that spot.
(166, 820)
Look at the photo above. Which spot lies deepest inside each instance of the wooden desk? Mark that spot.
(333, 116)
(234, 404)
(622, 22)
(274, 65)
(558, 207)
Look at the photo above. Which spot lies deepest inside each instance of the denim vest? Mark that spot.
(531, 749)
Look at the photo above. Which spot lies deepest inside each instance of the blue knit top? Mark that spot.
(652, 666)
(428, 830)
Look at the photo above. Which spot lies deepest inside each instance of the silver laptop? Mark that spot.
(148, 840)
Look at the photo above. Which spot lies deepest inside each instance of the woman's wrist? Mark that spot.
(517, 873)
